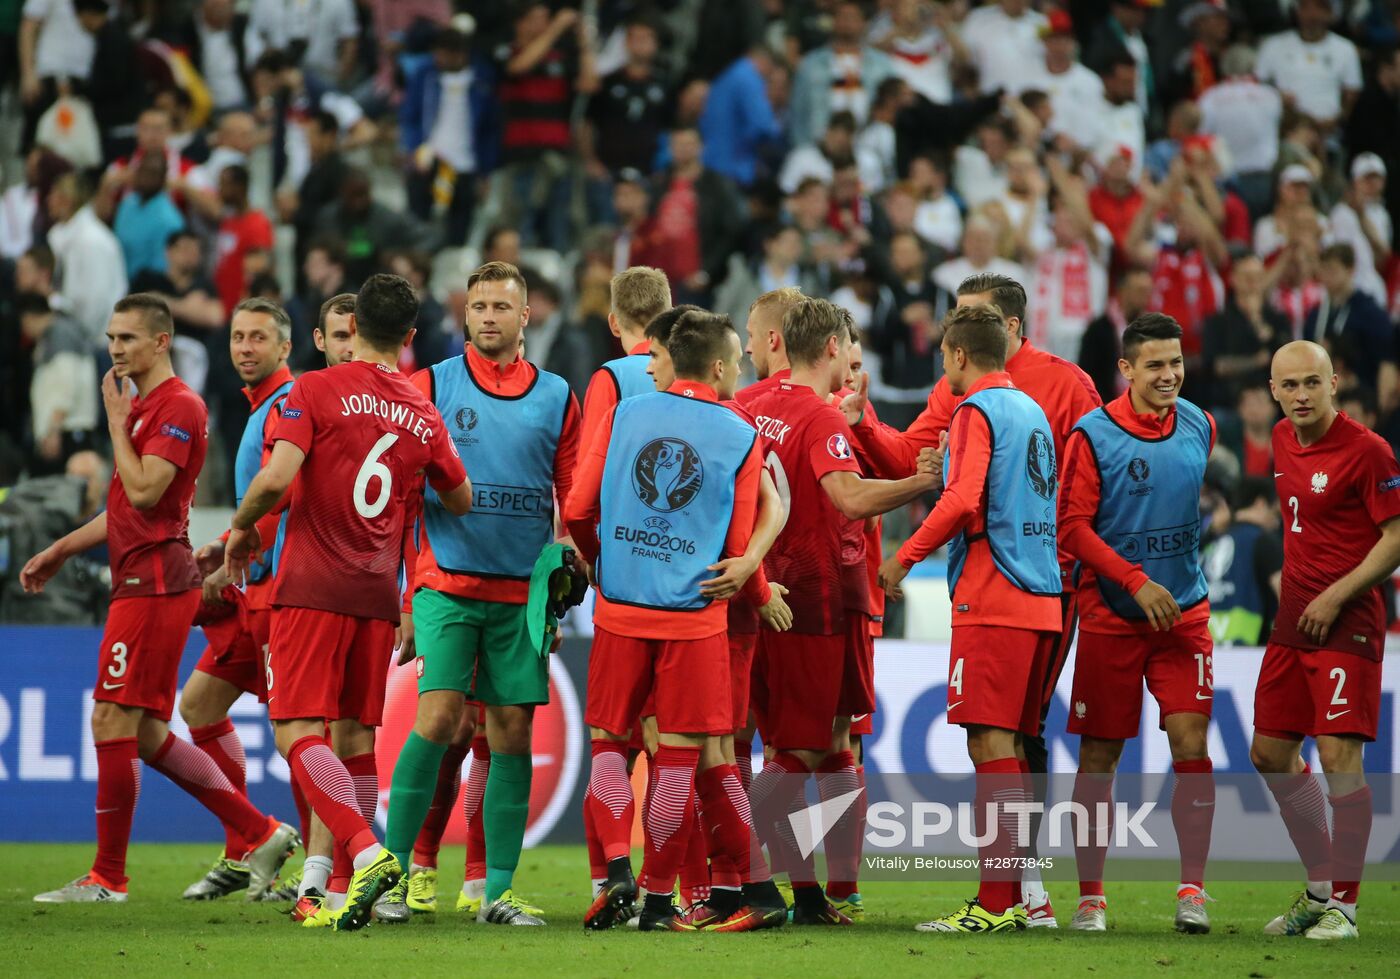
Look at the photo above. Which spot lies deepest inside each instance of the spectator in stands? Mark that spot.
(876, 146)
(820, 160)
(1294, 288)
(1076, 92)
(1115, 200)
(89, 268)
(119, 91)
(1240, 340)
(738, 122)
(214, 37)
(549, 60)
(1357, 331)
(194, 304)
(698, 220)
(1068, 284)
(1197, 67)
(979, 256)
(502, 244)
(1102, 345)
(53, 49)
(906, 327)
(937, 219)
(631, 109)
(1026, 205)
(1246, 115)
(1361, 220)
(285, 99)
(924, 44)
(323, 271)
(63, 386)
(979, 170)
(243, 229)
(321, 185)
(146, 218)
(1317, 70)
(369, 228)
(841, 76)
(1294, 202)
(34, 271)
(448, 130)
(154, 130)
(1121, 31)
(1004, 40)
(322, 37)
(1374, 123)
(1121, 122)
(1249, 432)
(1243, 563)
(23, 217)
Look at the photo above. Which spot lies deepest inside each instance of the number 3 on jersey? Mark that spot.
(372, 468)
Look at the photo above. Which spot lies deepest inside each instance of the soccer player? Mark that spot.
(473, 579)
(350, 444)
(1339, 492)
(1130, 513)
(1065, 393)
(997, 512)
(158, 437)
(260, 338)
(808, 683)
(335, 327)
(638, 295)
(669, 486)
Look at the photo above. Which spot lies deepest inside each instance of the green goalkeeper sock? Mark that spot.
(505, 808)
(410, 795)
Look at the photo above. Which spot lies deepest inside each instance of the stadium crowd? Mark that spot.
(1223, 162)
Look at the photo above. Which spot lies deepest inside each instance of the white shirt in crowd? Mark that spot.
(1314, 74)
(218, 63)
(64, 49)
(347, 112)
(925, 63)
(63, 381)
(1346, 227)
(1245, 114)
(1076, 102)
(89, 270)
(950, 274)
(1122, 125)
(1068, 288)
(939, 222)
(1040, 237)
(321, 24)
(803, 162)
(451, 138)
(19, 206)
(1269, 237)
(875, 156)
(976, 178)
(1007, 51)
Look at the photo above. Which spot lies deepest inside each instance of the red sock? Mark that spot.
(1028, 791)
(695, 868)
(1351, 831)
(196, 773)
(1304, 812)
(609, 797)
(836, 776)
(862, 806)
(1193, 815)
(777, 791)
(672, 808)
(303, 813)
(597, 864)
(118, 788)
(1092, 792)
(998, 783)
(330, 790)
(646, 809)
(743, 762)
(727, 825)
(472, 809)
(425, 848)
(364, 772)
(220, 742)
(342, 869)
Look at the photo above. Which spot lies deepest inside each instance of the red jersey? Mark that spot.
(1080, 491)
(238, 235)
(984, 595)
(367, 432)
(804, 438)
(1335, 494)
(149, 550)
(743, 613)
(504, 381)
(855, 580)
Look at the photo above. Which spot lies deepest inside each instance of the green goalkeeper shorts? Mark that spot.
(481, 649)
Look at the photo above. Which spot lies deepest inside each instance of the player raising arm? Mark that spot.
(1339, 489)
(358, 435)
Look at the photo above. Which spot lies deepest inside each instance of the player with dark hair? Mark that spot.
(357, 436)
(997, 513)
(159, 436)
(335, 327)
(1130, 513)
(808, 683)
(1339, 489)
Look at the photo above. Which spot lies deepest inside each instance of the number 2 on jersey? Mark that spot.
(1297, 528)
(372, 468)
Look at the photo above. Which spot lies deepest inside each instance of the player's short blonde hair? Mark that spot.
(639, 295)
(777, 301)
(809, 325)
(498, 272)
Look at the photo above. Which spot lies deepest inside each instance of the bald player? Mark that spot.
(1339, 488)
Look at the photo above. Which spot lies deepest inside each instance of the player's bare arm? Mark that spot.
(735, 571)
(775, 613)
(264, 491)
(44, 565)
(858, 498)
(1378, 564)
(144, 478)
(457, 500)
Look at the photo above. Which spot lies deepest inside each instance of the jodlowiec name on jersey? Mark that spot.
(400, 414)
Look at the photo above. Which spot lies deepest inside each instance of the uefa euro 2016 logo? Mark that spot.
(667, 474)
(1040, 464)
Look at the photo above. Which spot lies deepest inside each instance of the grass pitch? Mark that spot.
(157, 934)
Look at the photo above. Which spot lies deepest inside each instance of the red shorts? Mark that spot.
(802, 682)
(327, 666)
(139, 663)
(863, 725)
(995, 675)
(741, 653)
(1307, 692)
(237, 650)
(858, 670)
(1109, 671)
(689, 679)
